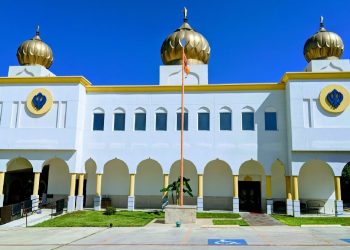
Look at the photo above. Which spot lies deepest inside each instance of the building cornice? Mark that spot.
(290, 76)
(45, 80)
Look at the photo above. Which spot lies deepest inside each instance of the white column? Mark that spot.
(235, 194)
(35, 196)
(200, 193)
(131, 197)
(80, 197)
(71, 197)
(97, 198)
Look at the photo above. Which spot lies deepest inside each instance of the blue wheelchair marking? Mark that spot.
(232, 242)
(346, 240)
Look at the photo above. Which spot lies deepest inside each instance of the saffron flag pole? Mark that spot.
(185, 69)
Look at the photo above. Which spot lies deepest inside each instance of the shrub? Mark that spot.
(110, 211)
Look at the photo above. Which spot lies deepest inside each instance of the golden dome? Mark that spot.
(323, 45)
(35, 52)
(197, 48)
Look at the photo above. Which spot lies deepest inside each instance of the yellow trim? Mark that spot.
(165, 182)
(48, 105)
(268, 187)
(295, 187)
(81, 185)
(189, 88)
(235, 186)
(98, 184)
(328, 107)
(73, 178)
(45, 80)
(337, 188)
(288, 188)
(36, 183)
(2, 178)
(314, 75)
(132, 185)
(200, 185)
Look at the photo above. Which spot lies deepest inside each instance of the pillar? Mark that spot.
(269, 201)
(2, 178)
(200, 193)
(338, 201)
(289, 198)
(35, 196)
(131, 197)
(165, 200)
(97, 198)
(235, 194)
(296, 202)
(71, 197)
(80, 197)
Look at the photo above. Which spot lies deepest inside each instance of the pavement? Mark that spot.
(188, 236)
(260, 219)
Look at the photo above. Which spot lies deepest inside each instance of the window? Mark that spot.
(247, 121)
(178, 121)
(99, 120)
(203, 121)
(270, 121)
(161, 121)
(140, 121)
(119, 121)
(225, 121)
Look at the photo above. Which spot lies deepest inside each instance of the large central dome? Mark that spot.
(197, 48)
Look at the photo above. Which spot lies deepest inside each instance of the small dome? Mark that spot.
(323, 45)
(197, 48)
(35, 52)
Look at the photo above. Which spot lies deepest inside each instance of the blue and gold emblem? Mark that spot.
(39, 101)
(334, 98)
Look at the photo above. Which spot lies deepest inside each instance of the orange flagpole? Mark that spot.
(182, 129)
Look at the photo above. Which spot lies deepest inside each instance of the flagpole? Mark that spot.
(182, 129)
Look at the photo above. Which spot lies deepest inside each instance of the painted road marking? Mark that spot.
(346, 240)
(236, 242)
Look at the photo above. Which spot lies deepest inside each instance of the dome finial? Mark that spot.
(185, 14)
(38, 30)
(322, 28)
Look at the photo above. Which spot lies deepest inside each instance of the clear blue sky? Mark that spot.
(118, 42)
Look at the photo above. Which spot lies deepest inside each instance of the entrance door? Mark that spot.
(249, 196)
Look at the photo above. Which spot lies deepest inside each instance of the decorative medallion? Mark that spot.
(334, 98)
(39, 101)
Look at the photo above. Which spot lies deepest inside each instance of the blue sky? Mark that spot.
(118, 42)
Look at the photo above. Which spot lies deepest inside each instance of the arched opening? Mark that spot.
(278, 183)
(115, 183)
(316, 186)
(90, 170)
(190, 172)
(250, 191)
(148, 183)
(345, 186)
(217, 186)
(19, 179)
(59, 179)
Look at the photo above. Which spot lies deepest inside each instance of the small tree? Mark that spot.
(175, 187)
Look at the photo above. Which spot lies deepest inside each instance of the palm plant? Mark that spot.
(175, 188)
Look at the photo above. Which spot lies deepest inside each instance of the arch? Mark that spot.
(59, 178)
(316, 182)
(179, 110)
(248, 109)
(115, 182)
(225, 109)
(345, 185)
(190, 172)
(217, 186)
(270, 109)
(140, 110)
(278, 180)
(148, 182)
(119, 110)
(90, 170)
(161, 110)
(98, 110)
(18, 163)
(203, 110)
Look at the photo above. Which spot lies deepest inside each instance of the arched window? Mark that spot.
(140, 119)
(98, 119)
(161, 119)
(225, 118)
(270, 119)
(119, 119)
(204, 119)
(247, 118)
(178, 119)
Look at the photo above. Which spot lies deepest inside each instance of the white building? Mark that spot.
(246, 145)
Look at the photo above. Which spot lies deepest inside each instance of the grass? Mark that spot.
(293, 221)
(230, 222)
(99, 219)
(218, 216)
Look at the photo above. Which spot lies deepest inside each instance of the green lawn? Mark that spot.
(98, 219)
(292, 221)
(217, 215)
(230, 222)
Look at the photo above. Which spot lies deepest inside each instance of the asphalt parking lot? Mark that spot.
(170, 237)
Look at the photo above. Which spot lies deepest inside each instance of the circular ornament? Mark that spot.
(39, 101)
(334, 98)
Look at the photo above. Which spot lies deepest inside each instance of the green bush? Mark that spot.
(110, 211)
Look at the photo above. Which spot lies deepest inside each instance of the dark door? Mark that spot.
(249, 196)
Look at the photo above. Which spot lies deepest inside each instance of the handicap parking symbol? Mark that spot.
(232, 242)
(346, 240)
